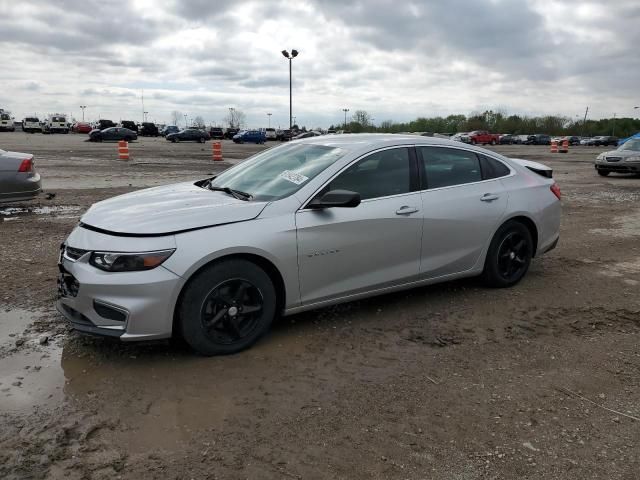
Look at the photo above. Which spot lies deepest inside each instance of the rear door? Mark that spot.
(344, 251)
(463, 202)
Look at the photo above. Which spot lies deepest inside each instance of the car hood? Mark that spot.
(621, 153)
(168, 209)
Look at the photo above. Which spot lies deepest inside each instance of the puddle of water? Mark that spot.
(31, 378)
(11, 211)
(14, 321)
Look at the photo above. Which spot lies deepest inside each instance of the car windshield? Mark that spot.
(631, 145)
(57, 119)
(278, 172)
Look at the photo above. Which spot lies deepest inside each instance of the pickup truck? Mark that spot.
(482, 137)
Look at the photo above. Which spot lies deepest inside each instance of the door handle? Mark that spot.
(489, 197)
(406, 210)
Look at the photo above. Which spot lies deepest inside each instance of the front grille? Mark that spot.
(74, 253)
(614, 159)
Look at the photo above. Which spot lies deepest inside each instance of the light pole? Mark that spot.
(83, 107)
(144, 116)
(269, 116)
(345, 110)
(294, 54)
(185, 121)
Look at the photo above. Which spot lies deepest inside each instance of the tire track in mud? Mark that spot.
(530, 323)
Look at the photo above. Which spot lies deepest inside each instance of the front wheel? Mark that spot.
(603, 173)
(227, 307)
(201, 139)
(509, 255)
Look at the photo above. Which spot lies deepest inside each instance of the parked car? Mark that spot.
(216, 133)
(113, 133)
(169, 129)
(230, 133)
(249, 136)
(585, 141)
(188, 135)
(295, 228)
(509, 139)
(56, 123)
(6, 122)
(31, 125)
(270, 133)
(19, 179)
(461, 137)
(104, 123)
(603, 141)
(283, 135)
(133, 126)
(538, 139)
(148, 129)
(81, 127)
(482, 137)
(625, 159)
(308, 134)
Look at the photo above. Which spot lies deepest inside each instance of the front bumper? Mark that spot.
(619, 166)
(128, 305)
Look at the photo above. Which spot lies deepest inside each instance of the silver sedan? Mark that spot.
(304, 225)
(18, 177)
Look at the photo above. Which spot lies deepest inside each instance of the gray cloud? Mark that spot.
(401, 59)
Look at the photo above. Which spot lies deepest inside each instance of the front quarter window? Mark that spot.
(279, 172)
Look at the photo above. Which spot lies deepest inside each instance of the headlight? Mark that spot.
(633, 159)
(129, 262)
(600, 157)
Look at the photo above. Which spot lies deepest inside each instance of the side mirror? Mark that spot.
(336, 198)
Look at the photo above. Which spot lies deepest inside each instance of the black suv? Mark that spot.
(130, 125)
(230, 133)
(102, 124)
(149, 129)
(216, 133)
(538, 139)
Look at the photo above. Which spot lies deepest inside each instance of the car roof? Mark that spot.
(372, 141)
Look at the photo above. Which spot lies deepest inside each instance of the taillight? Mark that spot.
(556, 190)
(26, 165)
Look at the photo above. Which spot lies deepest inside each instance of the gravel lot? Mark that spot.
(450, 381)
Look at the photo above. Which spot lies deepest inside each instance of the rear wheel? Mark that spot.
(201, 140)
(603, 173)
(227, 307)
(493, 142)
(473, 142)
(509, 255)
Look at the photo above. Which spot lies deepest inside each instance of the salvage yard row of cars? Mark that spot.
(480, 137)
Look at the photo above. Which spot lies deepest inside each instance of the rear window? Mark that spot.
(31, 119)
(58, 119)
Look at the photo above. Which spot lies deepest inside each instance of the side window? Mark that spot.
(445, 167)
(379, 175)
(492, 168)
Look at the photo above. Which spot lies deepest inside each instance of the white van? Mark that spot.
(56, 123)
(31, 125)
(270, 133)
(6, 122)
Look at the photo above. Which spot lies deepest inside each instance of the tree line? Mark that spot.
(496, 122)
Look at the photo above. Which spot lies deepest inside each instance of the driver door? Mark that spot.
(345, 251)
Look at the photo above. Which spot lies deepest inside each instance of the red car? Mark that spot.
(81, 127)
(482, 137)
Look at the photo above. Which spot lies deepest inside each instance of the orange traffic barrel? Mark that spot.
(565, 146)
(217, 151)
(554, 146)
(123, 150)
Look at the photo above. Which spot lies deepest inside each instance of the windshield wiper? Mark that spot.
(230, 191)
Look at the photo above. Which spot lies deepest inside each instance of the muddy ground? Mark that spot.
(450, 381)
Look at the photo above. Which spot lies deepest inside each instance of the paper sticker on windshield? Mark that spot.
(293, 177)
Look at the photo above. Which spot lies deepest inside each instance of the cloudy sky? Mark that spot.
(396, 59)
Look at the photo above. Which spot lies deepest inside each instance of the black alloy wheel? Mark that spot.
(603, 173)
(226, 307)
(509, 255)
(231, 311)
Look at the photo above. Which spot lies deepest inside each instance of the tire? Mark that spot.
(603, 173)
(203, 313)
(128, 139)
(473, 142)
(508, 259)
(493, 142)
(201, 140)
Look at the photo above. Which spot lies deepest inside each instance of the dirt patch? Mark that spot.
(447, 381)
